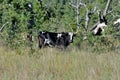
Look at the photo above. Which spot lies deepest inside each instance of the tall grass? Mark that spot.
(55, 64)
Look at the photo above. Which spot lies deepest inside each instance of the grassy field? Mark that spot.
(54, 64)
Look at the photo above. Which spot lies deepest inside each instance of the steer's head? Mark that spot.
(71, 36)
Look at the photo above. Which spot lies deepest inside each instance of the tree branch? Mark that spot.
(1, 29)
(88, 14)
(77, 11)
(107, 7)
(77, 7)
(104, 13)
(73, 5)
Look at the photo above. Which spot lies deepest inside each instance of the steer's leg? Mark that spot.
(40, 42)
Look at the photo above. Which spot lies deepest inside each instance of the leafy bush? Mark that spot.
(55, 16)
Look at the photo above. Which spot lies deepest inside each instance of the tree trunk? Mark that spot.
(107, 7)
(105, 13)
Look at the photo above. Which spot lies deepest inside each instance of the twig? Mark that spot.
(107, 7)
(1, 29)
(105, 13)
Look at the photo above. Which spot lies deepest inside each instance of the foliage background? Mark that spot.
(55, 16)
(94, 58)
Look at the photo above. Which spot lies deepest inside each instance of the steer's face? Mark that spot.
(71, 36)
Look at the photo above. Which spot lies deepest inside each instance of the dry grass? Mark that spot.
(52, 64)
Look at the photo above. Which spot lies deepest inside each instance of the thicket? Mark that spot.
(25, 17)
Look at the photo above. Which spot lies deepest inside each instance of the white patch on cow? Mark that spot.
(43, 32)
(101, 26)
(71, 36)
(59, 35)
(33, 38)
(47, 41)
(117, 21)
(30, 5)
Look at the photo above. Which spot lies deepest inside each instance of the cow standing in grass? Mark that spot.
(52, 39)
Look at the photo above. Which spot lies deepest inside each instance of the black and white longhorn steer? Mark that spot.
(52, 39)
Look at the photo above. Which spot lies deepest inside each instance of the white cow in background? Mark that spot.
(99, 28)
